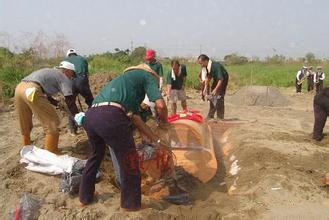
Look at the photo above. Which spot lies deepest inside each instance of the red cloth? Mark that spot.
(190, 115)
(149, 54)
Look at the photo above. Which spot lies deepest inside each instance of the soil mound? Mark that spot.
(98, 80)
(259, 96)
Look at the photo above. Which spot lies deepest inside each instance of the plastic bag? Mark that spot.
(28, 209)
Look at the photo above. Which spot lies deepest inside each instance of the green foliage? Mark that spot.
(235, 59)
(274, 71)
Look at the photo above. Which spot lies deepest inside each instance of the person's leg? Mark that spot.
(173, 108)
(116, 166)
(220, 108)
(88, 179)
(321, 85)
(298, 87)
(182, 98)
(320, 118)
(47, 115)
(184, 105)
(212, 110)
(84, 89)
(120, 138)
(24, 113)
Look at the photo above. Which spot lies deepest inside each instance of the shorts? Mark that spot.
(177, 95)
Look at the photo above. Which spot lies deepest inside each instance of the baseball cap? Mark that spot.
(70, 51)
(149, 54)
(66, 65)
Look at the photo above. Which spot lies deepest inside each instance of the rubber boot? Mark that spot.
(26, 140)
(51, 143)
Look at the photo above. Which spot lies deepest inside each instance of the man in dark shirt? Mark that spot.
(176, 79)
(80, 82)
(108, 122)
(321, 112)
(216, 72)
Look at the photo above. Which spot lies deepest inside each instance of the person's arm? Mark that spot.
(162, 110)
(323, 76)
(168, 90)
(214, 91)
(143, 128)
(70, 102)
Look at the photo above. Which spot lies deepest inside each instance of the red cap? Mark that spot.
(149, 54)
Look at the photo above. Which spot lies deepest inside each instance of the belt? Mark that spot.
(109, 103)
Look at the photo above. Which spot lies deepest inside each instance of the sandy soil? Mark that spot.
(280, 176)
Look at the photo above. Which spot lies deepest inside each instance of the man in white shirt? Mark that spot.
(318, 79)
(300, 77)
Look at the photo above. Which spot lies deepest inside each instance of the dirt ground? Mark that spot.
(269, 168)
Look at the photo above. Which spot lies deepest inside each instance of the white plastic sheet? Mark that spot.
(43, 161)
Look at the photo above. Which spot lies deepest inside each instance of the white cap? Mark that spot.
(304, 67)
(70, 51)
(67, 65)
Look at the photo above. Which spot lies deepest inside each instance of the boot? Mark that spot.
(26, 140)
(51, 143)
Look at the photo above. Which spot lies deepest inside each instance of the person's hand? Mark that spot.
(214, 92)
(204, 92)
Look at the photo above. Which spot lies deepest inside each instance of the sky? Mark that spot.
(175, 27)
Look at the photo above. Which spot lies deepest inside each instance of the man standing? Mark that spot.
(216, 72)
(33, 97)
(176, 79)
(319, 77)
(300, 77)
(108, 122)
(80, 82)
(155, 65)
(321, 112)
(310, 79)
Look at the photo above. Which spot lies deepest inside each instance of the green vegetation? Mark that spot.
(273, 71)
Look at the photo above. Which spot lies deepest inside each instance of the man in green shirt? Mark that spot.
(176, 79)
(80, 82)
(155, 65)
(218, 74)
(108, 122)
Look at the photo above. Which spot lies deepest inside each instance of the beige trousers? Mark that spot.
(41, 108)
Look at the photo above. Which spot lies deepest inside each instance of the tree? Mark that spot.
(234, 58)
(310, 57)
(137, 55)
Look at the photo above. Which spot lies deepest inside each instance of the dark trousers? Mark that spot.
(320, 118)
(109, 125)
(219, 108)
(298, 87)
(319, 86)
(81, 86)
(310, 83)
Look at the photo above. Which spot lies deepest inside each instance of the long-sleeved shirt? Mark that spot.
(319, 76)
(300, 74)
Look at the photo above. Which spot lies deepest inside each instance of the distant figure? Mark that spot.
(176, 79)
(321, 112)
(80, 82)
(318, 78)
(214, 71)
(33, 96)
(310, 79)
(300, 77)
(155, 65)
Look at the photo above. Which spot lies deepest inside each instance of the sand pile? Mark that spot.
(98, 81)
(259, 96)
